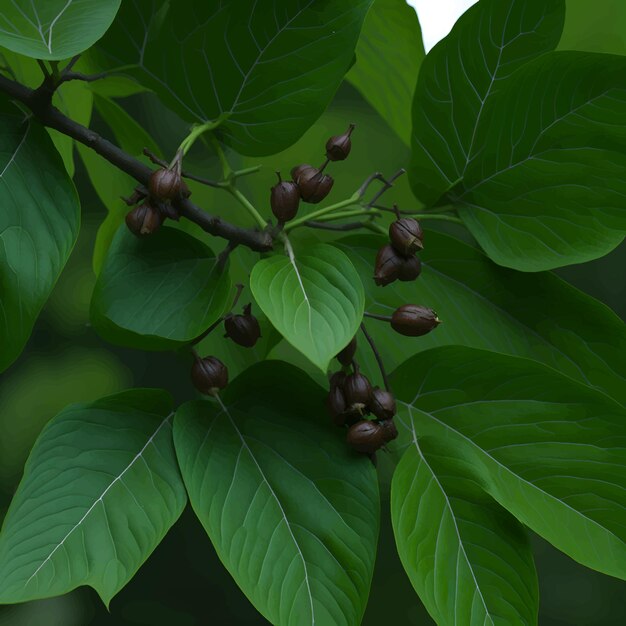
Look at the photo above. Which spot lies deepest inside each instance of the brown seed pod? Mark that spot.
(382, 404)
(209, 375)
(412, 320)
(304, 170)
(165, 184)
(388, 263)
(144, 220)
(337, 379)
(366, 436)
(243, 329)
(390, 432)
(336, 404)
(357, 390)
(314, 185)
(284, 199)
(338, 147)
(347, 354)
(406, 236)
(410, 269)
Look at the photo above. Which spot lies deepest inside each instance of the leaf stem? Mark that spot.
(353, 199)
(377, 356)
(247, 205)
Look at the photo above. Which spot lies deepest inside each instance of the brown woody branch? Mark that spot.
(38, 101)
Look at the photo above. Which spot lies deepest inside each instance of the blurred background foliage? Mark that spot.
(183, 582)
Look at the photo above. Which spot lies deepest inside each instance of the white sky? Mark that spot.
(438, 16)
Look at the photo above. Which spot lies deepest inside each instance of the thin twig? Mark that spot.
(157, 161)
(87, 78)
(387, 184)
(375, 316)
(379, 359)
(336, 227)
(39, 104)
(224, 254)
(218, 321)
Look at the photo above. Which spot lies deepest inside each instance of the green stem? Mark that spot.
(247, 205)
(340, 215)
(196, 131)
(375, 228)
(320, 212)
(437, 216)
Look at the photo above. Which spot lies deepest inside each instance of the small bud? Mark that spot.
(347, 354)
(243, 329)
(366, 436)
(390, 432)
(406, 236)
(313, 184)
(412, 320)
(382, 404)
(357, 390)
(410, 269)
(209, 375)
(284, 199)
(336, 404)
(388, 263)
(165, 184)
(338, 147)
(144, 220)
(337, 379)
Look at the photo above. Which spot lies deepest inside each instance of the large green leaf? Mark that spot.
(551, 451)
(293, 514)
(486, 306)
(315, 300)
(100, 490)
(469, 560)
(54, 29)
(109, 182)
(598, 29)
(266, 69)
(460, 76)
(387, 81)
(39, 220)
(158, 292)
(550, 187)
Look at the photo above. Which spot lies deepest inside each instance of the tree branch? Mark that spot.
(38, 102)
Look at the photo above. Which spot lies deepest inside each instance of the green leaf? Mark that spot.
(101, 488)
(54, 29)
(292, 513)
(549, 450)
(469, 560)
(315, 300)
(267, 77)
(483, 305)
(597, 29)
(460, 77)
(387, 81)
(109, 182)
(552, 189)
(38, 225)
(158, 292)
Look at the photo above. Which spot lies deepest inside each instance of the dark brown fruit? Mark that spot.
(406, 236)
(338, 147)
(243, 329)
(412, 320)
(284, 200)
(144, 220)
(410, 269)
(357, 390)
(336, 404)
(337, 379)
(304, 171)
(366, 436)
(347, 354)
(165, 184)
(209, 375)
(382, 404)
(390, 432)
(314, 185)
(388, 263)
